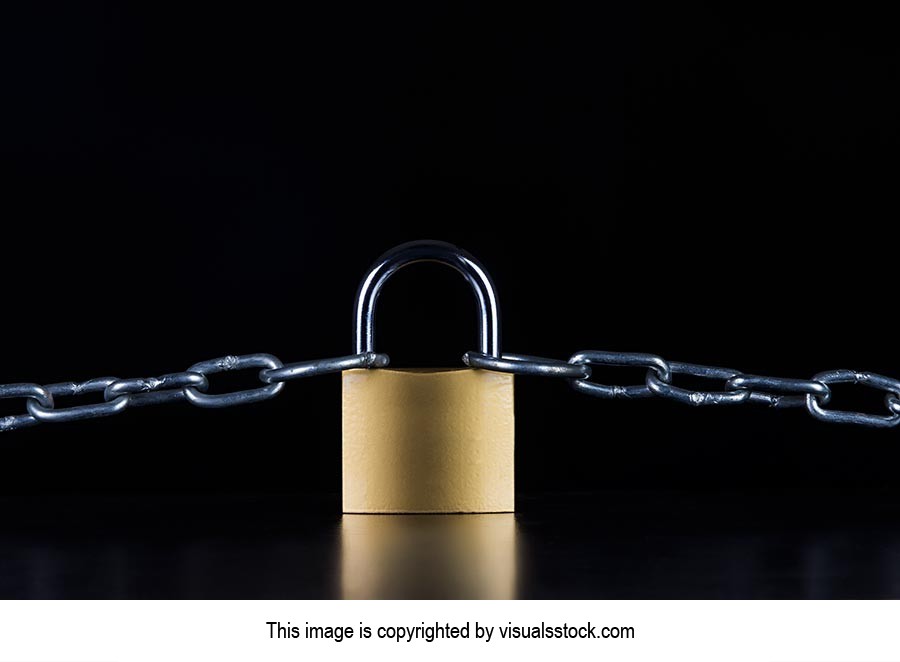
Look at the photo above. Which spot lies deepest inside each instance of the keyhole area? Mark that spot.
(426, 317)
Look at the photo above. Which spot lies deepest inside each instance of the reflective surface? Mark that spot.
(429, 556)
(643, 544)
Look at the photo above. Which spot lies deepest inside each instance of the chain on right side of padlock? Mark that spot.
(739, 388)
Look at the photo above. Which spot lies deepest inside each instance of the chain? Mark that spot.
(660, 381)
(736, 387)
(190, 385)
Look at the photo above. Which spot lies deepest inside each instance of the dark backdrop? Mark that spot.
(713, 185)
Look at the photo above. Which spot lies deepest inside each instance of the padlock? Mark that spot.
(427, 440)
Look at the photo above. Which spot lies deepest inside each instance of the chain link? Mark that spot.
(887, 384)
(323, 366)
(523, 364)
(31, 391)
(697, 398)
(228, 363)
(618, 359)
(893, 403)
(776, 391)
(155, 390)
(53, 414)
(192, 385)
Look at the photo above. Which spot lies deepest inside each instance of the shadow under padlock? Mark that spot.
(427, 440)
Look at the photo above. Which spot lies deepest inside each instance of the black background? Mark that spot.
(715, 185)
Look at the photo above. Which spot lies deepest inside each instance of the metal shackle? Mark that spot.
(427, 251)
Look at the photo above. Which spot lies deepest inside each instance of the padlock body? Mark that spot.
(428, 441)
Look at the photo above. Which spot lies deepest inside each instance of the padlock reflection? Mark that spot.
(429, 556)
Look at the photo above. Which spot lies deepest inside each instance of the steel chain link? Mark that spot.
(192, 385)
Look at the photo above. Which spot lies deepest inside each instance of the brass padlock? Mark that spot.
(427, 440)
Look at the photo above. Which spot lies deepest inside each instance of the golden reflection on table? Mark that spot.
(428, 556)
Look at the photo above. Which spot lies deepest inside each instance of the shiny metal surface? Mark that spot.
(427, 251)
(37, 393)
(54, 414)
(697, 398)
(523, 364)
(888, 384)
(303, 369)
(146, 391)
(190, 385)
(620, 359)
(893, 403)
(778, 392)
(227, 363)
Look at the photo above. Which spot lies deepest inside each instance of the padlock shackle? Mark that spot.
(427, 251)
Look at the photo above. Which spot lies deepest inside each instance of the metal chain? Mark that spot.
(192, 385)
(737, 387)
